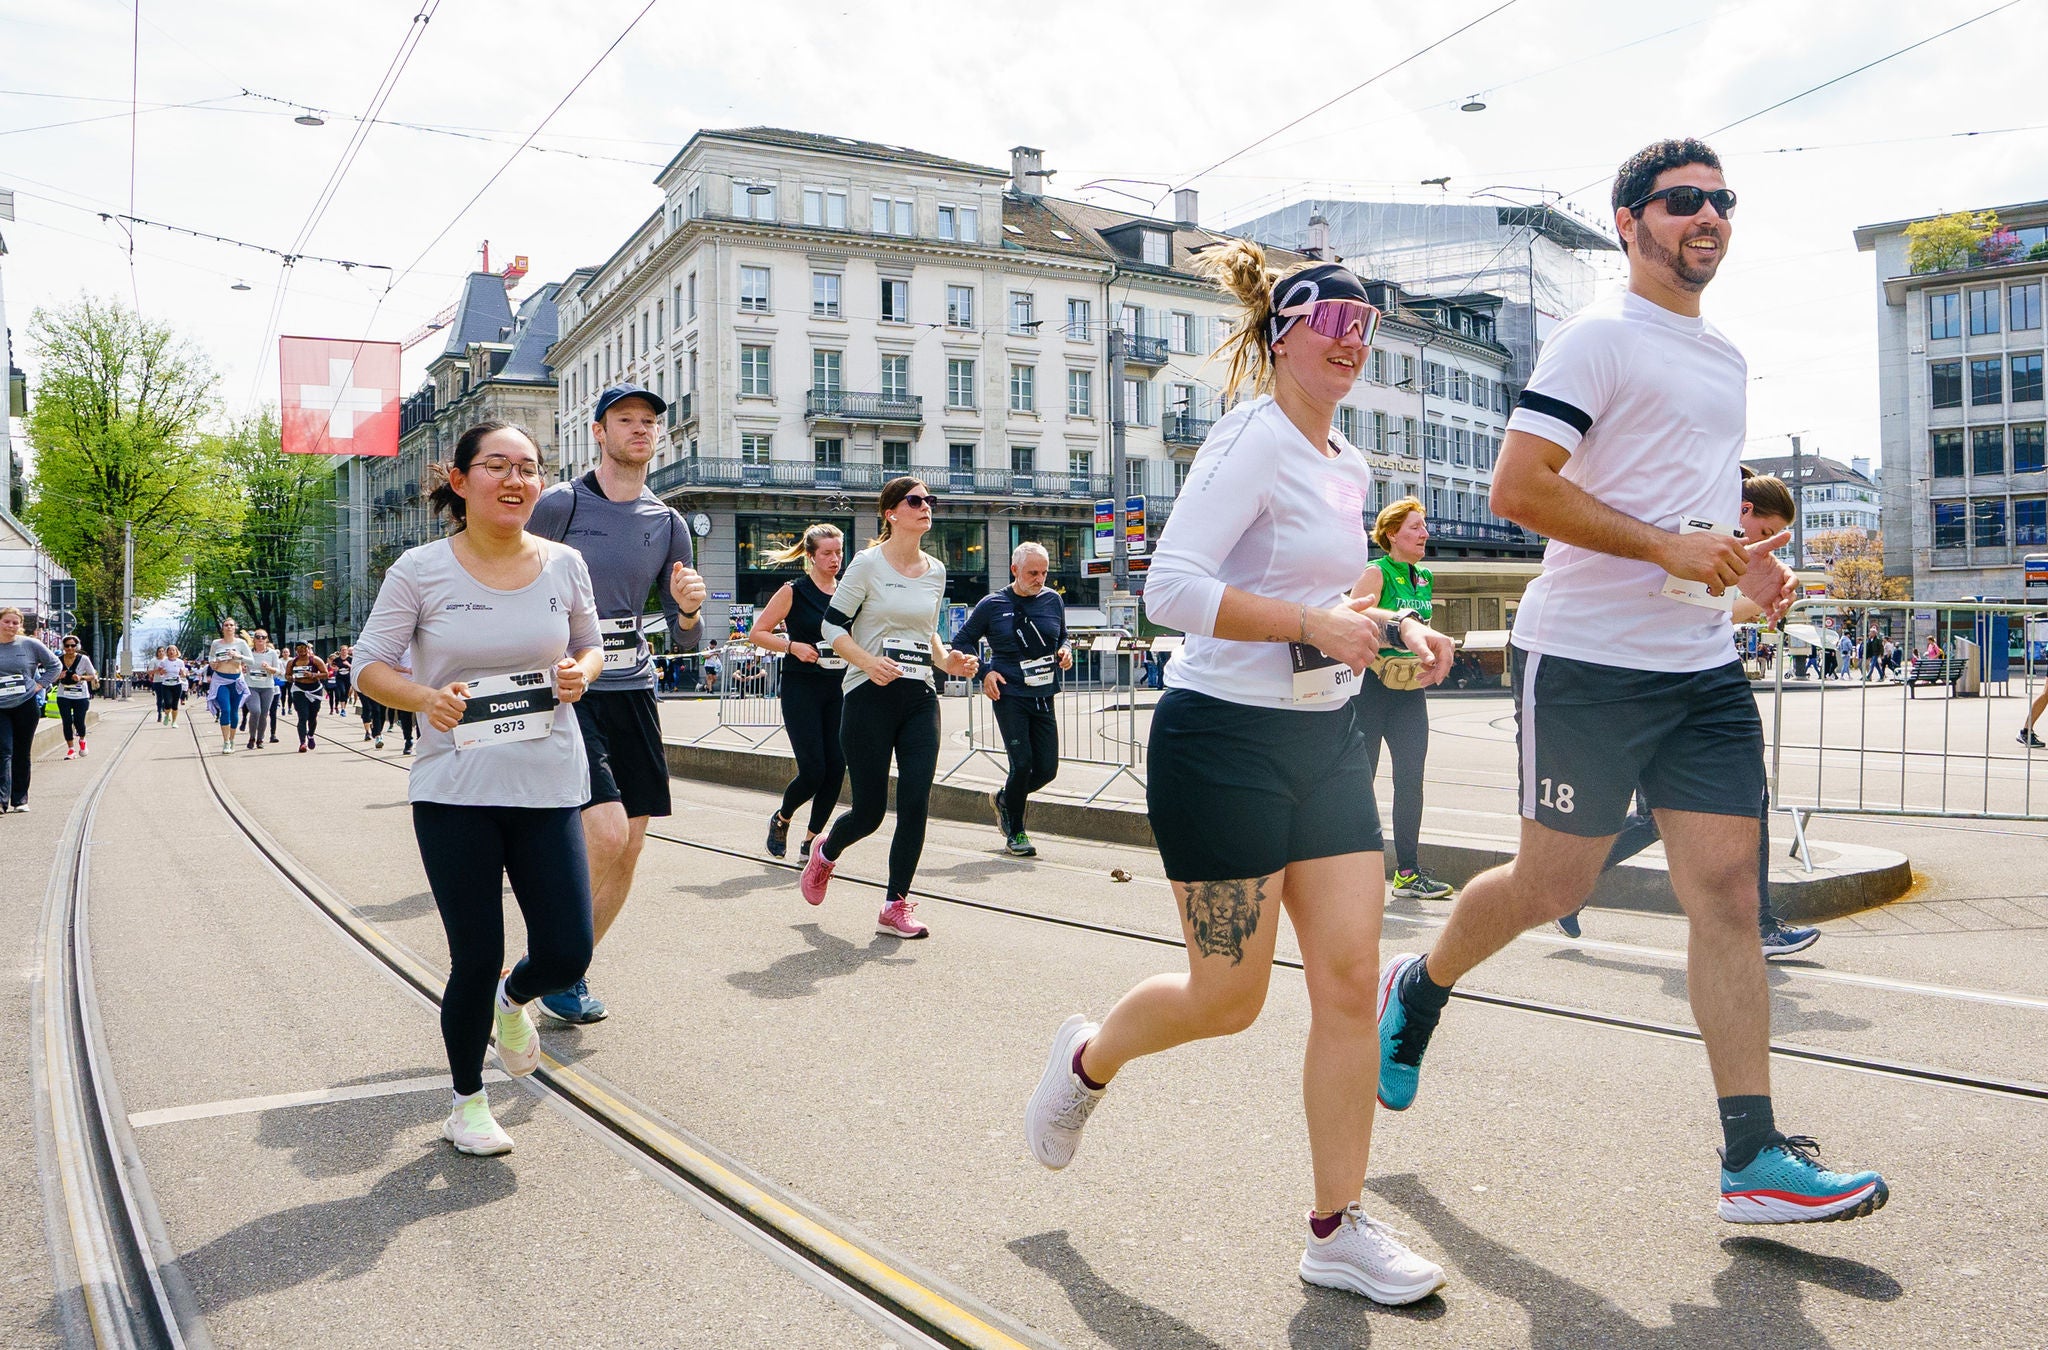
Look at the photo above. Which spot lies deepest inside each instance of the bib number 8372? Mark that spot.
(1559, 801)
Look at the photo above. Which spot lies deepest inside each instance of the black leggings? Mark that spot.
(17, 739)
(1639, 831)
(168, 697)
(900, 718)
(306, 707)
(810, 717)
(469, 853)
(379, 716)
(72, 712)
(1032, 736)
(1400, 717)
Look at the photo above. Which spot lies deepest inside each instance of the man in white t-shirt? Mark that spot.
(1625, 452)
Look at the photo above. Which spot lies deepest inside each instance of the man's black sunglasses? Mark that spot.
(1687, 200)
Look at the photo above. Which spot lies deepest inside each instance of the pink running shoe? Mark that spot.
(896, 919)
(816, 876)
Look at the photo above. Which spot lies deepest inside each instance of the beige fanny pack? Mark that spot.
(1398, 672)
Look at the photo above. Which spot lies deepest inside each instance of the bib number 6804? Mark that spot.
(1559, 801)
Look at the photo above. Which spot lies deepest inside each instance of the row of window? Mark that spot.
(1988, 450)
(1987, 381)
(829, 208)
(962, 458)
(1460, 445)
(1946, 310)
(1461, 386)
(1982, 522)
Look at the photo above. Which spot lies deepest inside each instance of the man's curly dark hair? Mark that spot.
(1637, 177)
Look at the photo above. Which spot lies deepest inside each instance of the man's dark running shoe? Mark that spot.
(1568, 924)
(1020, 846)
(1002, 815)
(574, 1005)
(803, 850)
(2030, 740)
(1785, 1183)
(1419, 885)
(1782, 940)
(1404, 1035)
(778, 836)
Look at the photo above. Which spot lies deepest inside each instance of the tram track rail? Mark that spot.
(913, 1306)
(120, 1286)
(1901, 1070)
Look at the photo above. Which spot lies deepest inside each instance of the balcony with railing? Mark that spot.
(841, 405)
(1181, 429)
(1144, 351)
(802, 475)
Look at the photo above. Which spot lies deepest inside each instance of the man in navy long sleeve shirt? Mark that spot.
(1025, 625)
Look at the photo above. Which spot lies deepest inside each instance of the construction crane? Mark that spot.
(511, 275)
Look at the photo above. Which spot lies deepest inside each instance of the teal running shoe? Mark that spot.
(1785, 1183)
(1404, 1035)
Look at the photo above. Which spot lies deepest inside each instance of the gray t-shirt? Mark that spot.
(264, 668)
(460, 629)
(630, 549)
(880, 607)
(27, 668)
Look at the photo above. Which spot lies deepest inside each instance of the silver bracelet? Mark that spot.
(1304, 625)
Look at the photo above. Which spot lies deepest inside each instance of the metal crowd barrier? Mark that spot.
(748, 681)
(1097, 710)
(1875, 751)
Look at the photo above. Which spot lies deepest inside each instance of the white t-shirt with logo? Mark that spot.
(1653, 407)
(1268, 512)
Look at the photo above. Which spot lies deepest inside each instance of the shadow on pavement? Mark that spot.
(336, 1139)
(1791, 1009)
(1118, 1319)
(827, 957)
(746, 883)
(1758, 1293)
(342, 1239)
(413, 906)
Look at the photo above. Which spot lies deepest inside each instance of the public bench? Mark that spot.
(1933, 670)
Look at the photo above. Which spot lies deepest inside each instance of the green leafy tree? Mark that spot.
(259, 569)
(114, 422)
(1948, 242)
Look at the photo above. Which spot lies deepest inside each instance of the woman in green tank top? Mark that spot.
(1390, 705)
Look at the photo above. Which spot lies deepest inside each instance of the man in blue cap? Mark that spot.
(630, 540)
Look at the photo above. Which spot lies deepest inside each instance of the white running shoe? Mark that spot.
(518, 1040)
(1366, 1257)
(472, 1129)
(1062, 1104)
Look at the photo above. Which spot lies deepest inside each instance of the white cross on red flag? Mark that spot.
(339, 396)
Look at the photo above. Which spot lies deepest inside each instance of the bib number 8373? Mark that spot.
(1559, 801)
(519, 724)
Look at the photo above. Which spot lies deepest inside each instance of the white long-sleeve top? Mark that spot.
(1265, 511)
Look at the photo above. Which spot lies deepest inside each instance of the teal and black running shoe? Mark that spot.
(1403, 1038)
(1785, 1183)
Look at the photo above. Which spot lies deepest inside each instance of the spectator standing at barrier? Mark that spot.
(1259, 786)
(633, 543)
(227, 656)
(75, 675)
(884, 621)
(306, 680)
(812, 683)
(1392, 706)
(502, 628)
(266, 664)
(1630, 430)
(27, 669)
(1025, 625)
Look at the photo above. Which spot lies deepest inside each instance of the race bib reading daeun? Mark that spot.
(507, 708)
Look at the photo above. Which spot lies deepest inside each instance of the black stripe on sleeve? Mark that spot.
(839, 618)
(1555, 407)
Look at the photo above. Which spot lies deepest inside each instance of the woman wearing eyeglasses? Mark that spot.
(502, 627)
(1260, 785)
(266, 664)
(75, 675)
(884, 622)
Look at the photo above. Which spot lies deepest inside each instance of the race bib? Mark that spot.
(831, 663)
(1038, 670)
(621, 639)
(12, 685)
(507, 708)
(1319, 678)
(914, 657)
(1697, 592)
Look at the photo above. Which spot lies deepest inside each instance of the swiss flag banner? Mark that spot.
(340, 396)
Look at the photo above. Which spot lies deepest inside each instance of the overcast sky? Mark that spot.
(1142, 92)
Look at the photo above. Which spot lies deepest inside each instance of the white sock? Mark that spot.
(462, 1101)
(506, 1005)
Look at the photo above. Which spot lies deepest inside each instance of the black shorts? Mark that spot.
(1587, 734)
(622, 740)
(1236, 792)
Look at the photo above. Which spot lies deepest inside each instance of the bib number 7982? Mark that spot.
(1559, 801)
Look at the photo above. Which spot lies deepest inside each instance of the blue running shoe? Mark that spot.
(1568, 924)
(1404, 1035)
(574, 1005)
(1783, 940)
(1785, 1183)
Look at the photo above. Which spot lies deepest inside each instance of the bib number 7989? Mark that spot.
(1559, 801)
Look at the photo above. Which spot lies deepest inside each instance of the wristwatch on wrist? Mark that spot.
(1400, 616)
(690, 613)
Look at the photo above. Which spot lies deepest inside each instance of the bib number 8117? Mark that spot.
(1559, 801)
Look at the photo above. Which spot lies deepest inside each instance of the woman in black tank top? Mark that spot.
(811, 681)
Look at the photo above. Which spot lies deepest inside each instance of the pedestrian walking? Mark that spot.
(813, 682)
(502, 626)
(27, 669)
(1025, 626)
(227, 657)
(1623, 678)
(75, 675)
(632, 543)
(1259, 788)
(884, 622)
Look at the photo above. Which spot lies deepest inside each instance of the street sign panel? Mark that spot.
(1105, 529)
(2037, 570)
(1134, 526)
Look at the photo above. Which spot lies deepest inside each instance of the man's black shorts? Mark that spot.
(1586, 734)
(622, 740)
